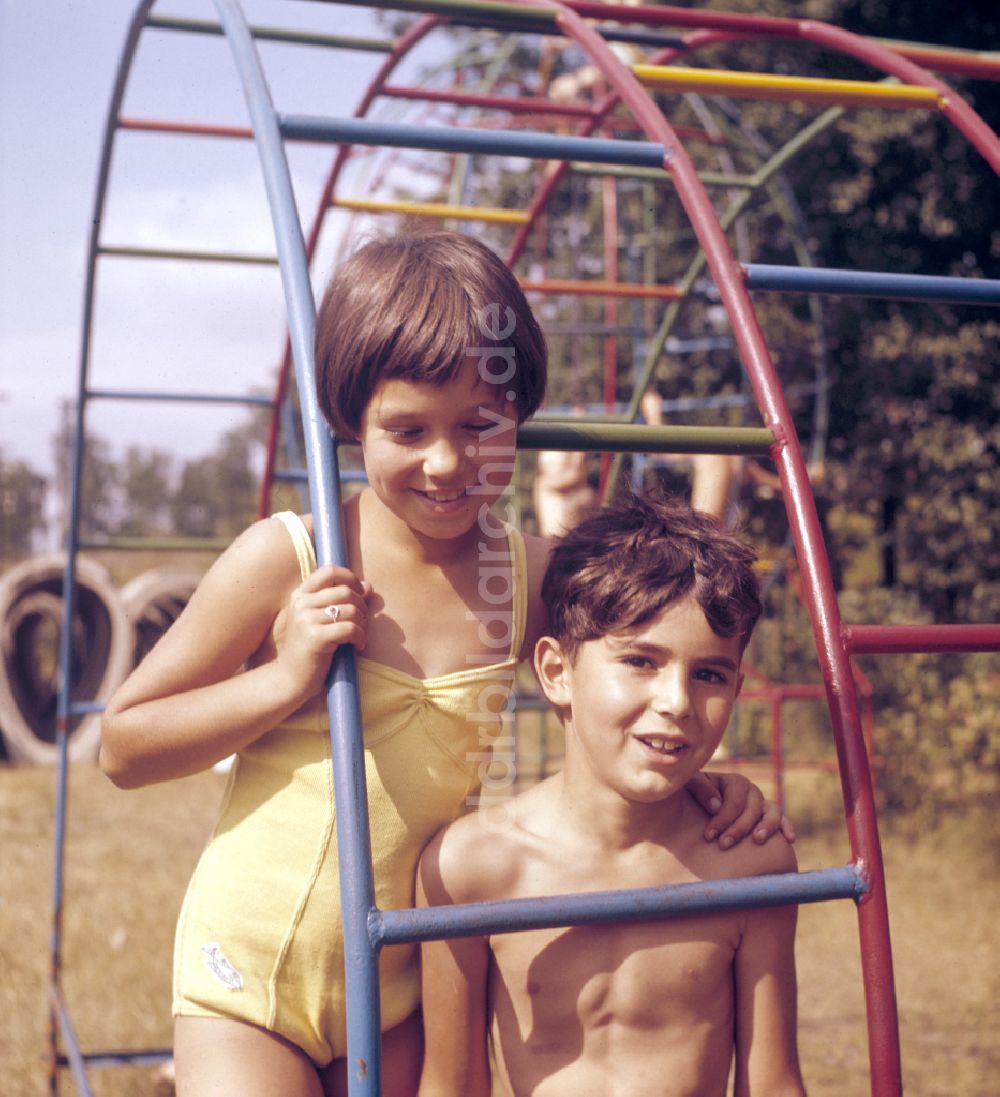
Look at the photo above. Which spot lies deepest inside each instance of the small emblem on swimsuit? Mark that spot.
(221, 968)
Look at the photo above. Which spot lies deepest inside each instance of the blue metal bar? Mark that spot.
(392, 927)
(534, 146)
(58, 1017)
(74, 1056)
(180, 397)
(121, 1058)
(84, 708)
(860, 283)
(353, 838)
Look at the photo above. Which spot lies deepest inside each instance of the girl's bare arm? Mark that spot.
(185, 707)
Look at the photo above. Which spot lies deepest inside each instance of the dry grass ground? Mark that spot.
(130, 855)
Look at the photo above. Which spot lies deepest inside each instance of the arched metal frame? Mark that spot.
(366, 927)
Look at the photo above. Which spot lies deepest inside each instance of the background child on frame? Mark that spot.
(650, 608)
(414, 339)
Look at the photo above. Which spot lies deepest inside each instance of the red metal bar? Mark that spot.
(902, 639)
(960, 62)
(190, 129)
(951, 61)
(953, 106)
(556, 173)
(855, 775)
(777, 749)
(696, 18)
(527, 105)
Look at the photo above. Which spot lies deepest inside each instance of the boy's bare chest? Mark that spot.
(644, 976)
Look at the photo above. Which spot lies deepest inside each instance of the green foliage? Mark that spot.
(935, 728)
(22, 503)
(216, 495)
(145, 494)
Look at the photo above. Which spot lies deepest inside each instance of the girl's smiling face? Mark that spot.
(435, 455)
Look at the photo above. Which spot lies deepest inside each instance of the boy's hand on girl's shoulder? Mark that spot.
(738, 808)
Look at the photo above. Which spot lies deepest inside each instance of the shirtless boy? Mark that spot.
(650, 609)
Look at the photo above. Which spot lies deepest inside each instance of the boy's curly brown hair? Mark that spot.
(627, 561)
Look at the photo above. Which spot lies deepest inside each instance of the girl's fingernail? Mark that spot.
(711, 835)
(726, 842)
(760, 834)
(714, 804)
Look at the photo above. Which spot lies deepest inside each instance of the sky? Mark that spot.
(175, 326)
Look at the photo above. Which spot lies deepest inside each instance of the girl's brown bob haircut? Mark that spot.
(416, 306)
(622, 565)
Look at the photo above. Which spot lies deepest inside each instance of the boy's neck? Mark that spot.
(601, 816)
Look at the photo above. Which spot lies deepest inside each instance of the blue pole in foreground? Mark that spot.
(353, 840)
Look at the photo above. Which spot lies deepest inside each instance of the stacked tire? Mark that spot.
(112, 630)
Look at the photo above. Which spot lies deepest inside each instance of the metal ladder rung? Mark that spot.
(180, 397)
(195, 255)
(529, 144)
(809, 89)
(639, 438)
(913, 639)
(862, 283)
(626, 905)
(435, 209)
(272, 34)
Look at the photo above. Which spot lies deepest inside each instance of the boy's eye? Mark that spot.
(712, 677)
(478, 428)
(639, 662)
(402, 432)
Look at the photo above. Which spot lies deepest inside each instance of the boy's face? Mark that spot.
(645, 709)
(435, 454)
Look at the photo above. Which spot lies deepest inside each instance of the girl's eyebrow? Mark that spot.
(402, 411)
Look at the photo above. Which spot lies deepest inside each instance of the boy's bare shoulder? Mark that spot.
(774, 856)
(480, 856)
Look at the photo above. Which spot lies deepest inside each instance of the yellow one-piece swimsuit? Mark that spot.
(260, 934)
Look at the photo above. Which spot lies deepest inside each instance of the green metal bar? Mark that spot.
(188, 254)
(760, 178)
(473, 12)
(709, 178)
(272, 34)
(163, 544)
(637, 438)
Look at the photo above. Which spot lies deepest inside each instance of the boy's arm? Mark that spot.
(454, 976)
(767, 1060)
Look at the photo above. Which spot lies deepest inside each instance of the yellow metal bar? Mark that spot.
(435, 209)
(757, 85)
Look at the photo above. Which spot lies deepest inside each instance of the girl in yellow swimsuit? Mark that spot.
(429, 357)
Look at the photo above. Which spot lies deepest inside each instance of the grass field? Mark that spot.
(130, 855)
